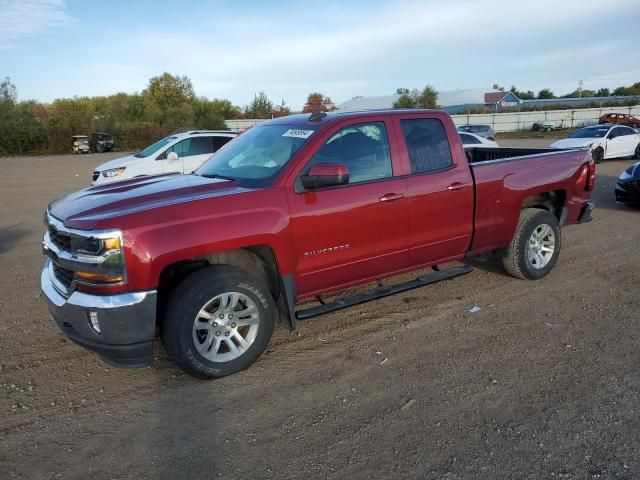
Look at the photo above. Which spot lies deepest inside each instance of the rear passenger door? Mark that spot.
(441, 195)
(615, 143)
(629, 141)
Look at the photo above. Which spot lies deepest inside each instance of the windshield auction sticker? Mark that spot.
(297, 133)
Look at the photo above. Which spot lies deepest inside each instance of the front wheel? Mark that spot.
(534, 249)
(636, 155)
(597, 155)
(219, 321)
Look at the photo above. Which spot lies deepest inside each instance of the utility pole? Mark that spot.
(580, 84)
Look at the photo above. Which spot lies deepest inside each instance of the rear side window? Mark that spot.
(627, 131)
(197, 146)
(427, 145)
(468, 139)
(218, 142)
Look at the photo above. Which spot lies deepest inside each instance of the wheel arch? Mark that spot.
(552, 201)
(257, 260)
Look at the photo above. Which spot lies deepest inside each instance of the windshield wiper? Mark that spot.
(217, 175)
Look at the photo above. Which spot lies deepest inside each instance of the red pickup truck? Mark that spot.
(292, 209)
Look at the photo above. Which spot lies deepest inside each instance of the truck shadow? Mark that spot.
(488, 263)
(10, 236)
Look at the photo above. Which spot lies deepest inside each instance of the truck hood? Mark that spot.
(85, 208)
(119, 162)
(575, 142)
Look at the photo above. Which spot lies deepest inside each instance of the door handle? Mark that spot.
(457, 186)
(391, 197)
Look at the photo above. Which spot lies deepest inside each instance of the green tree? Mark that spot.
(402, 91)
(406, 100)
(8, 91)
(168, 100)
(260, 107)
(545, 93)
(428, 98)
(603, 92)
(522, 95)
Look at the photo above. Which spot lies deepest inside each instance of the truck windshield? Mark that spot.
(155, 147)
(257, 156)
(590, 133)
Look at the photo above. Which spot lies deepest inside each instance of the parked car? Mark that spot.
(477, 140)
(295, 208)
(627, 189)
(543, 126)
(80, 144)
(182, 152)
(604, 141)
(101, 142)
(481, 130)
(620, 119)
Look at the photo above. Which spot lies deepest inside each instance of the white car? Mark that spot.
(473, 140)
(605, 141)
(182, 152)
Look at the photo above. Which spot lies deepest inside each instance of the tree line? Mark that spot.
(168, 104)
(547, 93)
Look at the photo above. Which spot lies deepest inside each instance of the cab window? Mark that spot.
(427, 145)
(363, 148)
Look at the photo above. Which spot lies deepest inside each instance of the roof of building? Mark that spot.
(445, 98)
(494, 97)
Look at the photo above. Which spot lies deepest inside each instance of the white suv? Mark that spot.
(182, 152)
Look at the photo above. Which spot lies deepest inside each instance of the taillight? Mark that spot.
(591, 176)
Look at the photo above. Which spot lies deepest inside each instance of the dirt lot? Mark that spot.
(542, 382)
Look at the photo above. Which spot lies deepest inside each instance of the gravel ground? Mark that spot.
(541, 382)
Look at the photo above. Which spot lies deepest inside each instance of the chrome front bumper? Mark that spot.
(126, 321)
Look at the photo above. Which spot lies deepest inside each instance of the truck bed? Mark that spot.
(487, 154)
(506, 177)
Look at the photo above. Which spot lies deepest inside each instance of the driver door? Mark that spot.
(349, 233)
(166, 165)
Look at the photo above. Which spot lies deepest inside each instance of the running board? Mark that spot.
(382, 291)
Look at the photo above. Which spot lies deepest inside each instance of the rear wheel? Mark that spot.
(636, 155)
(219, 321)
(534, 249)
(597, 154)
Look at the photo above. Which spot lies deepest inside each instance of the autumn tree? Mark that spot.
(281, 110)
(317, 101)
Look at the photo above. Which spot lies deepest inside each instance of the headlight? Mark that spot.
(113, 172)
(104, 258)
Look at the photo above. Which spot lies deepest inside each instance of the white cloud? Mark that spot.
(23, 18)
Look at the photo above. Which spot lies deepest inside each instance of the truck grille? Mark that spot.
(95, 175)
(60, 239)
(64, 276)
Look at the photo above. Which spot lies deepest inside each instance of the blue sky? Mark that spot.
(232, 49)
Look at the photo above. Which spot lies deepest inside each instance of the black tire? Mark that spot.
(597, 154)
(637, 153)
(188, 299)
(516, 259)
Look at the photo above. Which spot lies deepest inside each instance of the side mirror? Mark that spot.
(325, 175)
(172, 156)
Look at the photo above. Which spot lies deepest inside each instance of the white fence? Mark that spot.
(511, 121)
